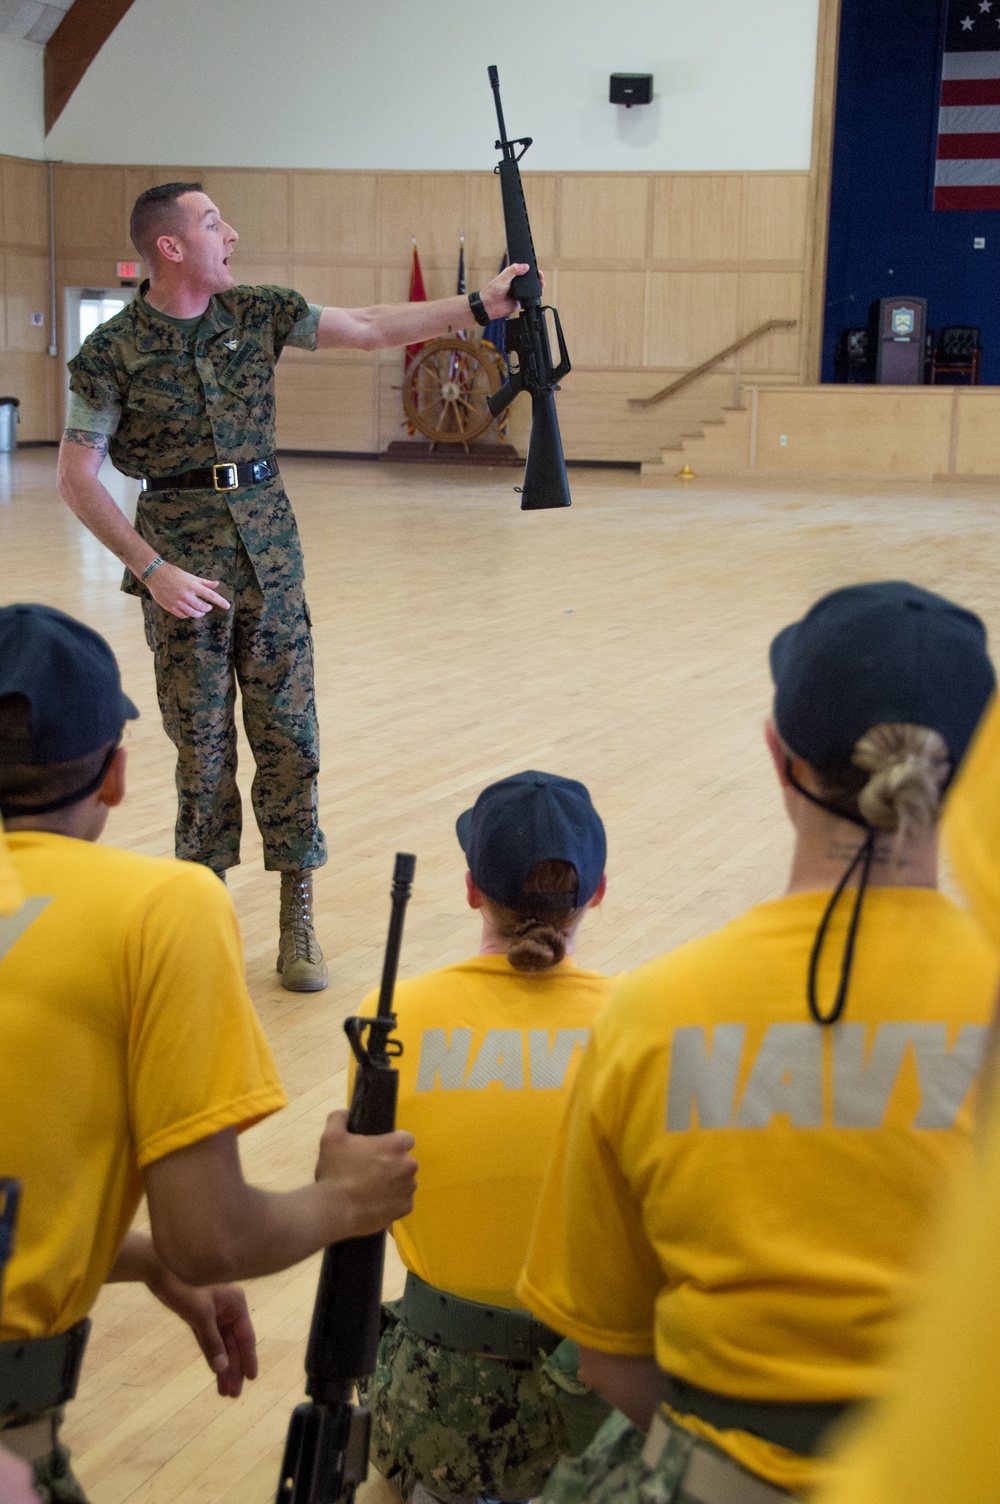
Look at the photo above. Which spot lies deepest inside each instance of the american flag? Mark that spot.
(458, 366)
(967, 170)
(461, 289)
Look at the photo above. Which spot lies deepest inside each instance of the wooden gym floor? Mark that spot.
(623, 642)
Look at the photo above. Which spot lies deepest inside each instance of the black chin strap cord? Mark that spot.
(863, 856)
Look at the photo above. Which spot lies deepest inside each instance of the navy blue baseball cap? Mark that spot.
(69, 676)
(528, 818)
(884, 652)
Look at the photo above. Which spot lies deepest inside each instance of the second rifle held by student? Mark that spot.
(326, 1450)
(10, 1195)
(545, 483)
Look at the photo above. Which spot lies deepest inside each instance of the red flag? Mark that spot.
(417, 295)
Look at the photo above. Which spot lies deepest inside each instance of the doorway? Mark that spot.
(85, 309)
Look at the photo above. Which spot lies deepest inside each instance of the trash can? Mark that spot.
(8, 423)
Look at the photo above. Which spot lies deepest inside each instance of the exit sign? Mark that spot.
(128, 268)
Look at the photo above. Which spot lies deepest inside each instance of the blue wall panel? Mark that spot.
(884, 236)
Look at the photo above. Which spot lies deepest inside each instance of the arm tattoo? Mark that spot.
(87, 439)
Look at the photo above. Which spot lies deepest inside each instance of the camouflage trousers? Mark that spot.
(54, 1479)
(263, 643)
(467, 1424)
(672, 1466)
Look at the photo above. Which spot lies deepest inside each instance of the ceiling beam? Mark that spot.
(72, 47)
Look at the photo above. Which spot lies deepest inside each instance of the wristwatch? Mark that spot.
(478, 309)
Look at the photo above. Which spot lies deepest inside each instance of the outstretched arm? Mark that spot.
(209, 1224)
(389, 324)
(81, 455)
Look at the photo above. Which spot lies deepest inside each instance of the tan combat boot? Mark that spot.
(300, 959)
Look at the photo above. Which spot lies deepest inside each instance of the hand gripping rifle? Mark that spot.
(545, 483)
(326, 1450)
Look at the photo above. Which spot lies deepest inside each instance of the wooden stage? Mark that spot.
(898, 432)
(623, 642)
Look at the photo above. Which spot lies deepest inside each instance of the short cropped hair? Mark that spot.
(25, 784)
(155, 214)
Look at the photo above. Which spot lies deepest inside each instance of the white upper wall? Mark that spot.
(402, 84)
(22, 116)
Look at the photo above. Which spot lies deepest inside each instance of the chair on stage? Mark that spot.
(850, 362)
(956, 354)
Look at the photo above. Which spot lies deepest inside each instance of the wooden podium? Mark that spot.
(896, 334)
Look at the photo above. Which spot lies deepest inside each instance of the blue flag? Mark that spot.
(461, 289)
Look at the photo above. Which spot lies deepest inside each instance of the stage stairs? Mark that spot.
(719, 442)
(693, 415)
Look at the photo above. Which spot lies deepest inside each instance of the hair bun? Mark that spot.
(536, 946)
(909, 767)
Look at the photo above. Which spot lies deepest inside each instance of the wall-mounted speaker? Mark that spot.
(631, 88)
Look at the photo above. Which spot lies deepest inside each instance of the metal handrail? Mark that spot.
(706, 365)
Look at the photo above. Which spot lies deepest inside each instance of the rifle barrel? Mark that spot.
(402, 882)
(494, 78)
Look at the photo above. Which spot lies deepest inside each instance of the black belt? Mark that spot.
(470, 1326)
(221, 477)
(799, 1427)
(42, 1372)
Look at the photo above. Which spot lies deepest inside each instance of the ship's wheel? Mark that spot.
(446, 387)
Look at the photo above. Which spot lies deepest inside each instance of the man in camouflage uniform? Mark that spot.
(179, 390)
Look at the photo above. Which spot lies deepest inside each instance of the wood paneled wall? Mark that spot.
(913, 432)
(26, 370)
(651, 274)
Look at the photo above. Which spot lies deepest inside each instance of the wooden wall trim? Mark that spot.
(651, 274)
(821, 172)
(72, 47)
(914, 432)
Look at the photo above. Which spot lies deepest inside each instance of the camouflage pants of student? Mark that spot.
(616, 1468)
(54, 1479)
(263, 643)
(464, 1424)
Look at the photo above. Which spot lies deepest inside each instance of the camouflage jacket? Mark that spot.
(172, 400)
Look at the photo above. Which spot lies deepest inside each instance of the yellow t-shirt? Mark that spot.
(126, 1032)
(972, 822)
(489, 1054)
(935, 1438)
(741, 1191)
(10, 886)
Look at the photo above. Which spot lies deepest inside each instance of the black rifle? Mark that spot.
(545, 483)
(10, 1195)
(326, 1450)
